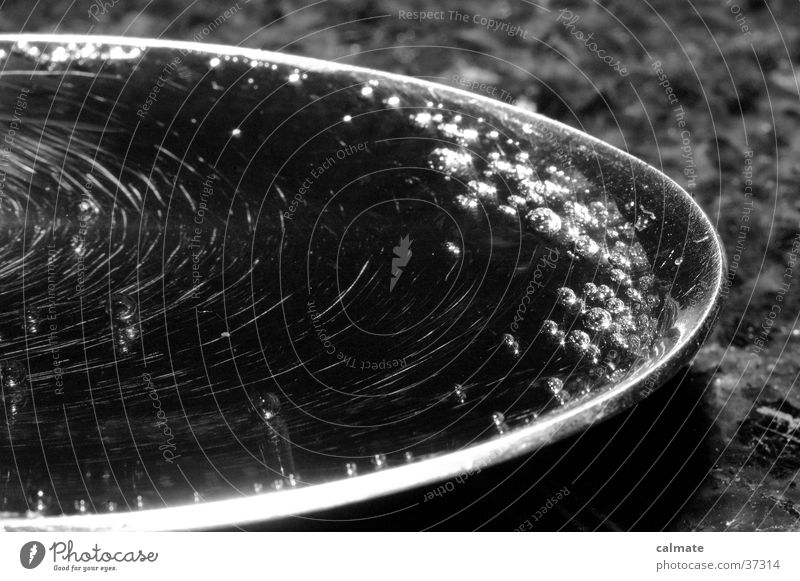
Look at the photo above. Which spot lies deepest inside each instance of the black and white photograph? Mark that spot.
(390, 266)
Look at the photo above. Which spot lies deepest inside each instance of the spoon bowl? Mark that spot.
(243, 285)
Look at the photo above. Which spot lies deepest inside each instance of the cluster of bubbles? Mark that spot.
(73, 51)
(13, 375)
(600, 328)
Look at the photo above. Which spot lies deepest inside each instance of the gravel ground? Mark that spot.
(725, 69)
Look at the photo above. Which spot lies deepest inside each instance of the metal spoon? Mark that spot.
(243, 285)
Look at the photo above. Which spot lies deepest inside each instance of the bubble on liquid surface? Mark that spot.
(554, 384)
(552, 333)
(577, 342)
(459, 394)
(592, 353)
(597, 319)
(615, 306)
(379, 461)
(32, 319)
(566, 297)
(499, 421)
(510, 345)
(544, 221)
(41, 501)
(122, 307)
(482, 190)
(77, 243)
(268, 405)
(14, 374)
(451, 161)
(86, 209)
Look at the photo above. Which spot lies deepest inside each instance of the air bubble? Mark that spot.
(615, 306)
(599, 213)
(577, 342)
(549, 328)
(453, 248)
(566, 296)
(517, 201)
(620, 277)
(41, 501)
(450, 161)
(32, 321)
(268, 405)
(510, 344)
(554, 384)
(422, 119)
(593, 353)
(586, 247)
(379, 461)
(86, 209)
(604, 292)
(597, 319)
(619, 260)
(545, 221)
(499, 422)
(634, 295)
(122, 308)
(483, 190)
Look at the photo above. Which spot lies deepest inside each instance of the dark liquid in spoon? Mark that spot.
(224, 276)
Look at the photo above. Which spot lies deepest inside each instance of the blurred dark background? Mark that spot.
(718, 448)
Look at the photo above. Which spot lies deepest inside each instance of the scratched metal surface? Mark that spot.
(237, 275)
